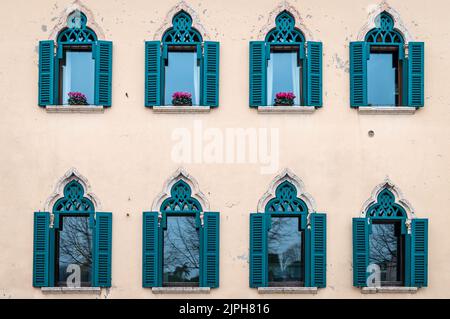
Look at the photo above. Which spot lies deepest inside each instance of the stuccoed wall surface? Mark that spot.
(125, 153)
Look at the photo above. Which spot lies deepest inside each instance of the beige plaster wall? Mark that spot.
(126, 152)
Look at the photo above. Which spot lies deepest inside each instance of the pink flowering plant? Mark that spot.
(182, 98)
(284, 98)
(77, 98)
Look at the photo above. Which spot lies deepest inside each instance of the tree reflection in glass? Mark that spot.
(181, 252)
(385, 244)
(285, 249)
(74, 247)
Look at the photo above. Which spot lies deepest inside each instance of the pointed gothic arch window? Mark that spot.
(182, 69)
(77, 70)
(285, 70)
(389, 242)
(287, 239)
(382, 72)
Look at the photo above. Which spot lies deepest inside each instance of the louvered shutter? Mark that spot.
(258, 250)
(103, 73)
(358, 74)
(416, 74)
(318, 250)
(152, 73)
(46, 72)
(314, 74)
(41, 249)
(258, 69)
(102, 250)
(211, 74)
(211, 242)
(419, 252)
(151, 275)
(360, 251)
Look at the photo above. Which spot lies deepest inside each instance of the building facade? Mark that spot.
(340, 160)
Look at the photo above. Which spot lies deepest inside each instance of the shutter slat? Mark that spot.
(211, 242)
(152, 73)
(150, 250)
(358, 74)
(46, 72)
(258, 250)
(257, 73)
(103, 73)
(416, 74)
(318, 250)
(103, 249)
(211, 73)
(314, 71)
(360, 251)
(41, 249)
(419, 255)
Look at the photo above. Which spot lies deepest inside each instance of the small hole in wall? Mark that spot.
(128, 214)
(371, 133)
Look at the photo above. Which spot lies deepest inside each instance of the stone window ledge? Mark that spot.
(181, 109)
(75, 108)
(72, 290)
(286, 109)
(395, 290)
(181, 290)
(386, 110)
(288, 290)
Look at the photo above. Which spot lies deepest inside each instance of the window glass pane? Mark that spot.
(381, 80)
(181, 252)
(182, 74)
(285, 252)
(74, 250)
(78, 75)
(283, 75)
(385, 251)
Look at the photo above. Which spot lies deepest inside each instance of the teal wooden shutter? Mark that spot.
(360, 251)
(46, 72)
(151, 275)
(314, 77)
(210, 245)
(41, 249)
(102, 250)
(211, 73)
(416, 74)
(419, 252)
(152, 73)
(103, 73)
(258, 69)
(358, 74)
(258, 250)
(318, 250)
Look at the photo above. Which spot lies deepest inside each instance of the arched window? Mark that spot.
(181, 241)
(182, 70)
(79, 72)
(389, 242)
(287, 238)
(383, 72)
(285, 70)
(72, 244)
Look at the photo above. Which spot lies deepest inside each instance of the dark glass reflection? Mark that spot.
(181, 252)
(283, 75)
(78, 75)
(381, 79)
(74, 249)
(182, 74)
(285, 242)
(386, 246)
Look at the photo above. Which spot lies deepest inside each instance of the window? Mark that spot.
(182, 69)
(285, 63)
(75, 250)
(287, 241)
(381, 71)
(389, 243)
(181, 242)
(78, 69)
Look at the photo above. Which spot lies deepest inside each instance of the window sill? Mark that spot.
(75, 108)
(181, 109)
(386, 110)
(70, 290)
(394, 290)
(181, 290)
(288, 290)
(286, 109)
